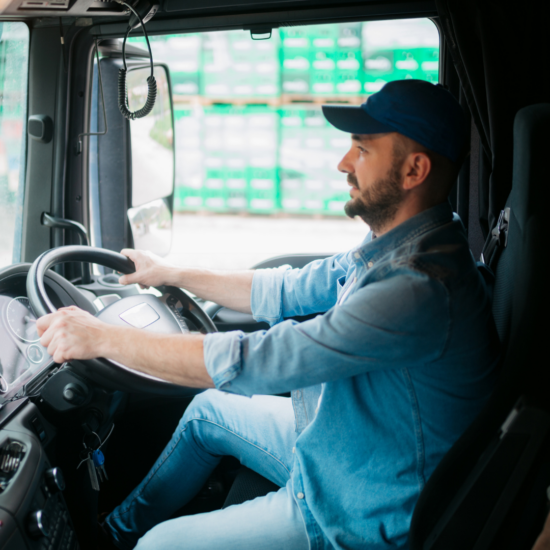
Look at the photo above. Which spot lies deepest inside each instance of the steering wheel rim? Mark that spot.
(103, 371)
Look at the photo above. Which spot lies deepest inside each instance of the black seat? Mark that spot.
(489, 491)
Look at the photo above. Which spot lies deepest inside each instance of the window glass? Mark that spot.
(256, 161)
(14, 53)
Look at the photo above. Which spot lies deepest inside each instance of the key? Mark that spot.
(99, 461)
(92, 473)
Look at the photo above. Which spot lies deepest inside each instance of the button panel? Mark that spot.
(59, 534)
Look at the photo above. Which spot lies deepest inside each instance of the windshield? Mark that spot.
(256, 161)
(14, 55)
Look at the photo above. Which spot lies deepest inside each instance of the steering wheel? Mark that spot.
(163, 315)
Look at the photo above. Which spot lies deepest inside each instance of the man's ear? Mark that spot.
(416, 168)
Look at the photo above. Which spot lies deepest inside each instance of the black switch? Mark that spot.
(38, 428)
(40, 128)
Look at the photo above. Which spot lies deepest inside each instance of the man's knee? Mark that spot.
(208, 405)
(202, 405)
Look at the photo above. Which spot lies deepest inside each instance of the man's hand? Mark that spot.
(72, 333)
(151, 270)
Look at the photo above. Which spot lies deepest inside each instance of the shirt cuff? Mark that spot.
(266, 299)
(222, 357)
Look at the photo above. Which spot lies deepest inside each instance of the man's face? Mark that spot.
(374, 174)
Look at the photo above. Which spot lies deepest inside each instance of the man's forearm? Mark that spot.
(231, 289)
(175, 358)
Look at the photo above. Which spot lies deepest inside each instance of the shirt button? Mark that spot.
(357, 255)
(293, 449)
(300, 496)
(370, 264)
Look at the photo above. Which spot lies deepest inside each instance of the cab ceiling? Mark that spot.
(109, 19)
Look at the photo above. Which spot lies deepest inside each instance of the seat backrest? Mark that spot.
(520, 303)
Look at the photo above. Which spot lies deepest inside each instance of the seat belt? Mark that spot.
(494, 245)
(497, 240)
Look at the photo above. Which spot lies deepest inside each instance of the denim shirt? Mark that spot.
(382, 383)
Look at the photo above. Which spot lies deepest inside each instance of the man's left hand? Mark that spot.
(71, 333)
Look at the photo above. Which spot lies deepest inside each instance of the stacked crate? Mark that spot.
(183, 55)
(262, 130)
(397, 50)
(295, 61)
(322, 60)
(226, 159)
(234, 66)
(188, 193)
(310, 150)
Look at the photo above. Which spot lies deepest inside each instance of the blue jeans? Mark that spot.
(259, 432)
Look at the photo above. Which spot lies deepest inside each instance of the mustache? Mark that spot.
(352, 180)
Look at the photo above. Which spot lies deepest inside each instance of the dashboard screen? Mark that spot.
(21, 354)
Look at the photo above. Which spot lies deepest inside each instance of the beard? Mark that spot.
(378, 204)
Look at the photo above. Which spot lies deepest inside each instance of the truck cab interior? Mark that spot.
(81, 192)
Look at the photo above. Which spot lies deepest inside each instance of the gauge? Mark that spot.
(35, 353)
(22, 320)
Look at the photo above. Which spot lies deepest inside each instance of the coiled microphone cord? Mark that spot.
(122, 85)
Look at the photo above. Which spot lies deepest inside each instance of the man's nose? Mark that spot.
(345, 165)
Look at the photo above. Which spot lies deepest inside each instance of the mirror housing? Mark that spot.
(152, 162)
(124, 164)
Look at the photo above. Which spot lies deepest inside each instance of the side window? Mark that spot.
(256, 161)
(14, 59)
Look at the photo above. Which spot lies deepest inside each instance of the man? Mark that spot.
(382, 383)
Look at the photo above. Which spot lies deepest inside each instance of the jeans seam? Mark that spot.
(243, 439)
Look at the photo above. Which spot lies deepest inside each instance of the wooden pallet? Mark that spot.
(281, 101)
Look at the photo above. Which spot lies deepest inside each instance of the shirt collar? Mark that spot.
(372, 248)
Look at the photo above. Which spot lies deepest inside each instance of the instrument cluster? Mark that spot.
(21, 354)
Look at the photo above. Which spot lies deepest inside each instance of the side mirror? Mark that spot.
(152, 163)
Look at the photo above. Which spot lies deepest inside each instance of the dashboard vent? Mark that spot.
(11, 455)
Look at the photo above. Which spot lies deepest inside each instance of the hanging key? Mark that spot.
(92, 472)
(99, 462)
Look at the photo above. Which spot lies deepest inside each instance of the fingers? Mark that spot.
(44, 323)
(129, 252)
(133, 255)
(68, 334)
(128, 279)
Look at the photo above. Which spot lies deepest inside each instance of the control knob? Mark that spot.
(37, 524)
(54, 480)
(75, 394)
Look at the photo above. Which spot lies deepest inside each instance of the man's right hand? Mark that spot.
(151, 270)
(229, 289)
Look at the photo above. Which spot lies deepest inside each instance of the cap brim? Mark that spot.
(354, 120)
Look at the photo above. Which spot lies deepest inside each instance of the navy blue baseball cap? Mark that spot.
(422, 111)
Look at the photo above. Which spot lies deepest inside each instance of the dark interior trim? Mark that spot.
(275, 18)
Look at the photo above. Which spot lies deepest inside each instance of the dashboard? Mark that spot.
(21, 354)
(33, 511)
(47, 412)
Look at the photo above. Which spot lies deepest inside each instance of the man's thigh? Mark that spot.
(272, 522)
(258, 431)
